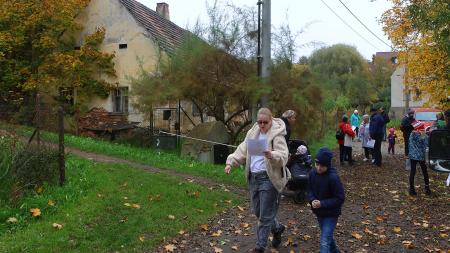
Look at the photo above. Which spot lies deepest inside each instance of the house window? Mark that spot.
(123, 46)
(120, 100)
(77, 48)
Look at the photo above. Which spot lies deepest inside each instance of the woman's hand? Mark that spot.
(268, 154)
(227, 169)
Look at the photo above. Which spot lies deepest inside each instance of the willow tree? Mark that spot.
(419, 30)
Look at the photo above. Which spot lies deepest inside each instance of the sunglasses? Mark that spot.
(260, 122)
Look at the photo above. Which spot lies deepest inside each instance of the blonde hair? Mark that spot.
(288, 114)
(265, 111)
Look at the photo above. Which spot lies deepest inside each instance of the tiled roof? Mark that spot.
(386, 55)
(167, 34)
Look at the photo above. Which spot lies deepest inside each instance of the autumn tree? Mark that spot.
(419, 30)
(37, 56)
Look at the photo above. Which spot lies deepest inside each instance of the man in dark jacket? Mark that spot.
(326, 196)
(376, 133)
(406, 128)
(447, 119)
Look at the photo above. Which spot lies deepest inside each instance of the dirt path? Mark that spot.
(378, 216)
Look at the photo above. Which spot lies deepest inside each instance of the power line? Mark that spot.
(364, 25)
(349, 26)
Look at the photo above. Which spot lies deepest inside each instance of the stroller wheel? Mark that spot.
(299, 198)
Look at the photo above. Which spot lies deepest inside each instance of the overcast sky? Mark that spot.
(326, 28)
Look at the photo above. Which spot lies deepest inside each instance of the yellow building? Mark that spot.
(139, 37)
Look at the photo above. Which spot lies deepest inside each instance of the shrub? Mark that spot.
(24, 167)
(395, 123)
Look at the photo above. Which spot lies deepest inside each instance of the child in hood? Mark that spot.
(392, 137)
(326, 196)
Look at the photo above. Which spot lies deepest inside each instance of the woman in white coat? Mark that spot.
(266, 174)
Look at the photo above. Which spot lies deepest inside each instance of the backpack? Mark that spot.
(340, 134)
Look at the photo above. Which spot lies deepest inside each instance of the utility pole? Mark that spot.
(266, 47)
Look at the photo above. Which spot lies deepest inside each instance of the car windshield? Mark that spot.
(426, 116)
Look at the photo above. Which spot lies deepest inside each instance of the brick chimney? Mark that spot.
(163, 10)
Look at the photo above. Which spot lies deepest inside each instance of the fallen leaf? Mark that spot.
(401, 212)
(218, 250)
(367, 231)
(171, 217)
(181, 232)
(238, 232)
(228, 201)
(306, 237)
(40, 189)
(51, 202)
(235, 248)
(217, 234)
(57, 226)
(240, 208)
(292, 222)
(204, 227)
(11, 220)
(142, 238)
(169, 248)
(126, 204)
(397, 229)
(425, 225)
(125, 198)
(380, 218)
(408, 244)
(290, 241)
(244, 225)
(137, 206)
(443, 235)
(99, 195)
(356, 235)
(35, 212)
(365, 206)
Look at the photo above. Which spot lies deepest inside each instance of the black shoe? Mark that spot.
(427, 190)
(257, 250)
(276, 241)
(412, 192)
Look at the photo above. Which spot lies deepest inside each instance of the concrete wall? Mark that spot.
(121, 28)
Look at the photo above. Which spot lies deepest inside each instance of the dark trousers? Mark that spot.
(377, 149)
(341, 153)
(406, 138)
(412, 173)
(345, 153)
(391, 148)
(357, 131)
(367, 152)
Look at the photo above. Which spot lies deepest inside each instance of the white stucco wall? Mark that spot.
(121, 28)
(398, 97)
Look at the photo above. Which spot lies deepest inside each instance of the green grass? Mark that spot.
(91, 207)
(152, 157)
(328, 140)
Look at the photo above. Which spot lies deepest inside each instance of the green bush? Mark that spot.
(25, 167)
(395, 123)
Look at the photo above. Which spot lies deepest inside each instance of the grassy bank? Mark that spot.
(107, 208)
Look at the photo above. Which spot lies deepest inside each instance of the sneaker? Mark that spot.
(365, 159)
(276, 241)
(427, 190)
(257, 250)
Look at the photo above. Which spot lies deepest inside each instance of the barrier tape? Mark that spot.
(196, 139)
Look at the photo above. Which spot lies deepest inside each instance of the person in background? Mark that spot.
(447, 119)
(392, 137)
(354, 121)
(376, 133)
(406, 128)
(266, 175)
(326, 196)
(364, 135)
(386, 119)
(346, 129)
(440, 122)
(289, 118)
(418, 142)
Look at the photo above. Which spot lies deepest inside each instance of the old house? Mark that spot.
(140, 37)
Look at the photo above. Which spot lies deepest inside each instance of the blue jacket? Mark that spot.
(376, 125)
(417, 146)
(354, 120)
(328, 189)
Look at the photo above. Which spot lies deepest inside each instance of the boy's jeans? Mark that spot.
(327, 226)
(265, 200)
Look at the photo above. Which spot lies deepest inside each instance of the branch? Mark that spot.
(235, 114)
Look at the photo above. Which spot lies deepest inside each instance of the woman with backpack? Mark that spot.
(344, 135)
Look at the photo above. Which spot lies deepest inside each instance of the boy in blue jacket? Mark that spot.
(326, 196)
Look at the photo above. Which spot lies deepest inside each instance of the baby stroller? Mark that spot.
(299, 164)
